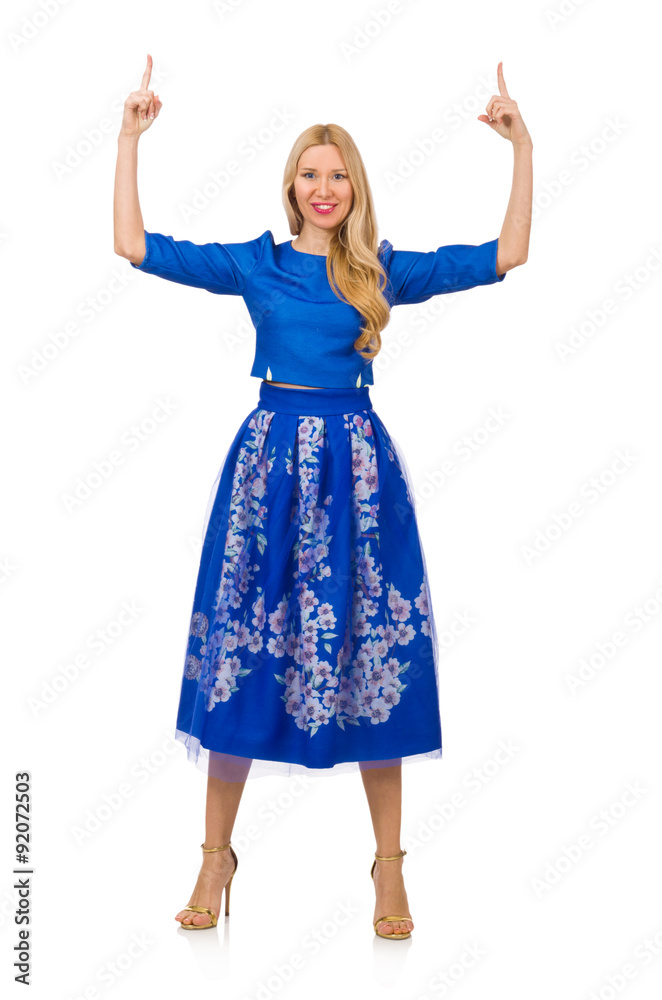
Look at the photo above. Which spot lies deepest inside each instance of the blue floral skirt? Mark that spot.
(312, 647)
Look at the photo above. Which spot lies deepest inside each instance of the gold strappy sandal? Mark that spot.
(205, 909)
(393, 916)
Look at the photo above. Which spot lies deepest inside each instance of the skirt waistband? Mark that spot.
(311, 402)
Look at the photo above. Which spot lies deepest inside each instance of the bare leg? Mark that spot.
(382, 781)
(223, 798)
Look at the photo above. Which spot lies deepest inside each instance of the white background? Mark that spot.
(488, 862)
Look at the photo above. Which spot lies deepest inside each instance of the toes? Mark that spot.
(396, 927)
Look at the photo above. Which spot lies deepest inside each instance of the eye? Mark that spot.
(308, 173)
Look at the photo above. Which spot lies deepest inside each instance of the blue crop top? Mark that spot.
(304, 333)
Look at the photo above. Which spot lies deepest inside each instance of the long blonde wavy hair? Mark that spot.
(354, 271)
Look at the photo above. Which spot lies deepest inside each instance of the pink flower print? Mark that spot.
(378, 713)
(365, 564)
(388, 633)
(221, 690)
(310, 709)
(278, 618)
(243, 635)
(370, 477)
(362, 490)
(365, 654)
(360, 460)
(215, 643)
(370, 607)
(309, 632)
(422, 601)
(380, 648)
(366, 699)
(400, 608)
(344, 703)
(231, 639)
(325, 616)
(392, 666)
(390, 695)
(305, 452)
(321, 553)
(320, 522)
(276, 646)
(307, 600)
(375, 676)
(293, 704)
(321, 670)
(234, 664)
(308, 655)
(358, 420)
(405, 634)
(259, 618)
(292, 646)
(258, 490)
(242, 496)
(290, 676)
(329, 699)
(255, 642)
(306, 561)
(321, 716)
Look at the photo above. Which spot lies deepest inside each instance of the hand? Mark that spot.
(503, 115)
(141, 106)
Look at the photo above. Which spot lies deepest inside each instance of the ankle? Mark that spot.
(390, 851)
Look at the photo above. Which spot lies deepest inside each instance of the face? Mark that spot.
(321, 181)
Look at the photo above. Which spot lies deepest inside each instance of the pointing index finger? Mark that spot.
(146, 75)
(502, 83)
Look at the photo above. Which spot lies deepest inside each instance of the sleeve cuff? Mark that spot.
(497, 277)
(145, 259)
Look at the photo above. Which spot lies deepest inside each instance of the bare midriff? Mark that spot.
(288, 385)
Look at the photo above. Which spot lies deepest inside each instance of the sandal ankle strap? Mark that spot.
(209, 850)
(394, 857)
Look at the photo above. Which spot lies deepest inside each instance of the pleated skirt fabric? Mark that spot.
(312, 647)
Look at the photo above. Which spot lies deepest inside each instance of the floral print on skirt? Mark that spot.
(312, 646)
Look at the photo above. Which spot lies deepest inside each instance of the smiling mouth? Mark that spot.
(323, 207)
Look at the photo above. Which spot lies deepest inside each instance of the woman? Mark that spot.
(312, 646)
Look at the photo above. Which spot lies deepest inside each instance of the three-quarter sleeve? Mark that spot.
(416, 277)
(221, 268)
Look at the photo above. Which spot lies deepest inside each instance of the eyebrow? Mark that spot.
(338, 170)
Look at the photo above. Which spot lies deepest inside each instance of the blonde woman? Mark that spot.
(312, 646)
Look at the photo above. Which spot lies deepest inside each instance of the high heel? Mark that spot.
(394, 916)
(205, 909)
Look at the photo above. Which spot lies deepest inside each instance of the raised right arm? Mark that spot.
(140, 109)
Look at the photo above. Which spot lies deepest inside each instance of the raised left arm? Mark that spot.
(503, 116)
